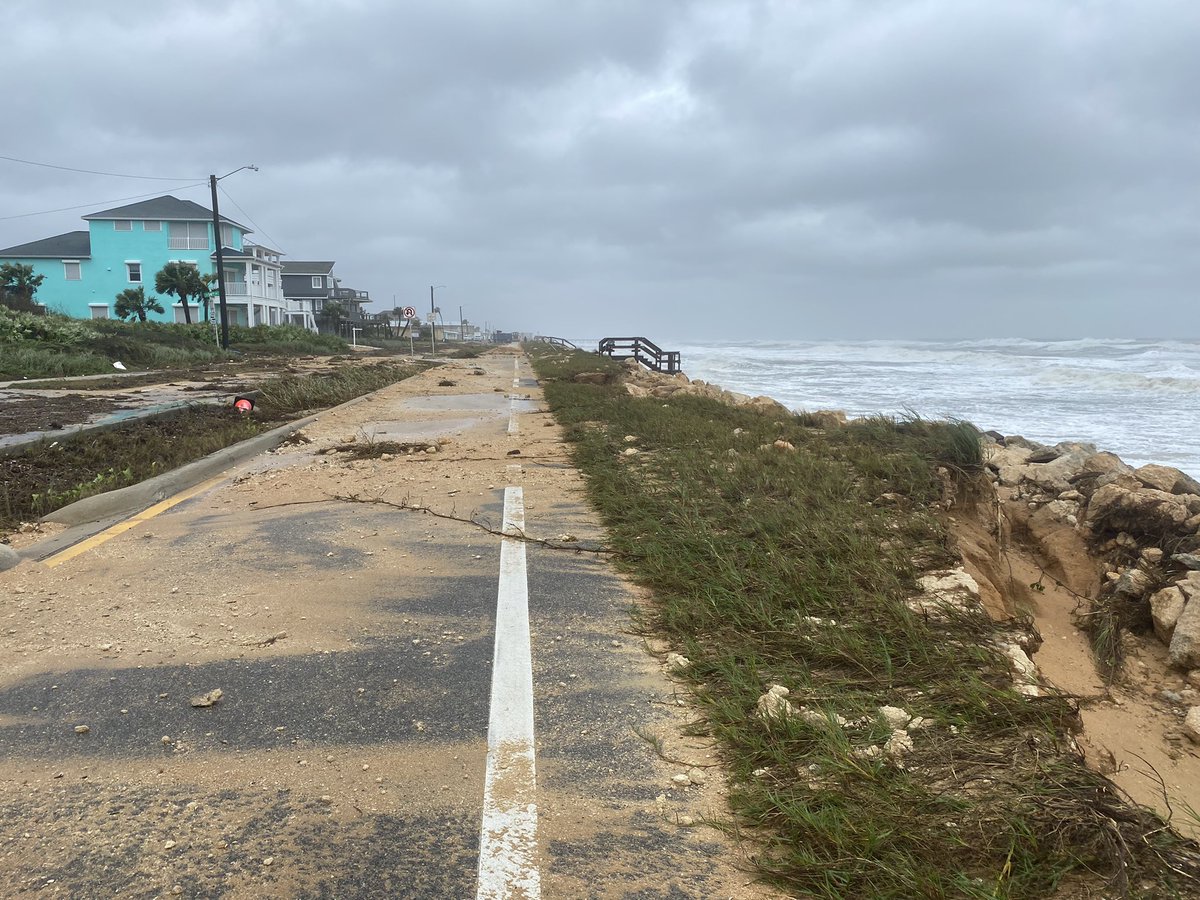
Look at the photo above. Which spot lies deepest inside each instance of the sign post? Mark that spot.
(410, 313)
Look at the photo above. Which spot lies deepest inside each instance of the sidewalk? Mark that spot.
(352, 641)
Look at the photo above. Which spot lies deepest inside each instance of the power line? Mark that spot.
(29, 162)
(46, 212)
(260, 230)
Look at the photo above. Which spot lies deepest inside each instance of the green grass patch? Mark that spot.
(54, 346)
(776, 567)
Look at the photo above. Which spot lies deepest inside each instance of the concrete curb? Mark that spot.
(137, 497)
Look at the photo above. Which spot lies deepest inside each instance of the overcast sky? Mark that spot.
(683, 170)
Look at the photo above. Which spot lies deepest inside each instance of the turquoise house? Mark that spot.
(126, 246)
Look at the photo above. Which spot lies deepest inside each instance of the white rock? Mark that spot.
(677, 662)
(1166, 606)
(681, 779)
(774, 703)
(899, 744)
(1185, 640)
(697, 776)
(896, 717)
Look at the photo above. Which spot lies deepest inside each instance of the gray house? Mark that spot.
(309, 284)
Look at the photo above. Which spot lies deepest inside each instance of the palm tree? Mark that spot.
(184, 281)
(133, 302)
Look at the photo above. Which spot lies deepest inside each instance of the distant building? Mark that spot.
(308, 285)
(126, 246)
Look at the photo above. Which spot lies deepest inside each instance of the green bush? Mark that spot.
(284, 339)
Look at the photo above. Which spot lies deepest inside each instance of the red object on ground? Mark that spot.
(243, 404)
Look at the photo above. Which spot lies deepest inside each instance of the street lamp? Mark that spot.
(216, 213)
(432, 320)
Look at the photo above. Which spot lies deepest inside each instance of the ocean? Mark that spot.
(1138, 399)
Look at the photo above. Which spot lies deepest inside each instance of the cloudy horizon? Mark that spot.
(684, 170)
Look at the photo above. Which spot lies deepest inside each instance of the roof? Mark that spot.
(166, 207)
(72, 245)
(302, 267)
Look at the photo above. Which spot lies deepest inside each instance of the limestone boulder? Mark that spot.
(8, 557)
(1145, 512)
(1185, 640)
(592, 378)
(1053, 476)
(1166, 606)
(1134, 582)
(1167, 479)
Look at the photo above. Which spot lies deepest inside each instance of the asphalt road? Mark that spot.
(352, 642)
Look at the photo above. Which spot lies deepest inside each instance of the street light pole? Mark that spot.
(216, 218)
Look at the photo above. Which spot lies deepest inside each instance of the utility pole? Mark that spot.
(432, 326)
(212, 183)
(462, 335)
(216, 218)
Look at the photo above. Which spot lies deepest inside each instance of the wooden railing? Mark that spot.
(556, 341)
(645, 351)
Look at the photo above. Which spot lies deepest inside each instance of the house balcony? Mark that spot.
(257, 292)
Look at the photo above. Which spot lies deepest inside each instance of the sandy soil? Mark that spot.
(1129, 732)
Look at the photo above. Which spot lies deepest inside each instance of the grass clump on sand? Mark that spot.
(54, 474)
(776, 566)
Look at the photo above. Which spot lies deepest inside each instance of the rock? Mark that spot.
(767, 405)
(631, 451)
(953, 589)
(1188, 560)
(1048, 454)
(636, 390)
(1185, 640)
(1165, 478)
(1148, 511)
(686, 821)
(205, 700)
(1190, 585)
(630, 438)
(169, 845)
(8, 557)
(82, 729)
(1133, 583)
(697, 776)
(677, 662)
(896, 717)
(1150, 556)
(784, 446)
(592, 378)
(1191, 724)
(681, 780)
(898, 745)
(824, 418)
(774, 703)
(1165, 608)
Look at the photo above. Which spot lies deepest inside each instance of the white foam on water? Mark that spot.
(1138, 399)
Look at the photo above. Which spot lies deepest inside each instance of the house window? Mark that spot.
(134, 272)
(318, 281)
(123, 225)
(152, 225)
(187, 236)
(98, 310)
(71, 270)
(226, 235)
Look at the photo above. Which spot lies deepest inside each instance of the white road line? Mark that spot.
(508, 865)
(512, 414)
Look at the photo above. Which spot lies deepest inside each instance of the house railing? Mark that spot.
(645, 351)
(556, 341)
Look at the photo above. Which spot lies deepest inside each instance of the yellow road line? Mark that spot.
(121, 527)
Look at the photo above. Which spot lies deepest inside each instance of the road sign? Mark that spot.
(409, 312)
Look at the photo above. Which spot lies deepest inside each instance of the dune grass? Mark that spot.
(770, 566)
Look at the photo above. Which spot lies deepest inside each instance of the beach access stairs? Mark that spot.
(645, 351)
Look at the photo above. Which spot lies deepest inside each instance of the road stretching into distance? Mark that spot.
(274, 685)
